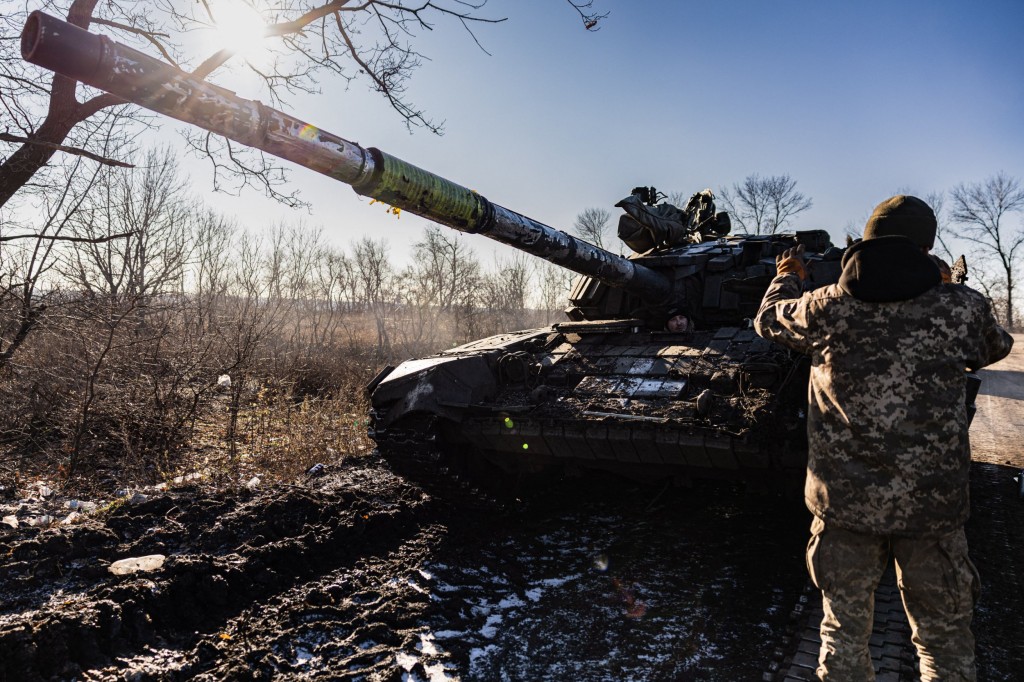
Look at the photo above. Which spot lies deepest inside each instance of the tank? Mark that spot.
(656, 372)
(621, 386)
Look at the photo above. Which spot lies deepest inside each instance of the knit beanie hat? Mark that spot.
(903, 216)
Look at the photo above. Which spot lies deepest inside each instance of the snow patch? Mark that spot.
(558, 582)
(426, 645)
(489, 630)
(436, 673)
(511, 601)
(303, 656)
(406, 661)
(449, 634)
(477, 653)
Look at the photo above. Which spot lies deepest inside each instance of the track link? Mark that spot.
(414, 454)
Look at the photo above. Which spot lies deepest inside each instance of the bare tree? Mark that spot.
(45, 112)
(211, 265)
(592, 224)
(763, 205)
(439, 288)
(555, 284)
(251, 315)
(446, 268)
(152, 206)
(33, 228)
(506, 291)
(370, 40)
(27, 253)
(347, 276)
(376, 286)
(328, 294)
(982, 210)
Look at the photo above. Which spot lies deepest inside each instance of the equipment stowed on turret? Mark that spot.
(656, 373)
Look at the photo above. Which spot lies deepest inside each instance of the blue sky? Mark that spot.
(855, 101)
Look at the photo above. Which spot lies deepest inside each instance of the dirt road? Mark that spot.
(997, 434)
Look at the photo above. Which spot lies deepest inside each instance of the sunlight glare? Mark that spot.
(239, 28)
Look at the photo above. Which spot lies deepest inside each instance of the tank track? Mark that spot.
(892, 653)
(414, 454)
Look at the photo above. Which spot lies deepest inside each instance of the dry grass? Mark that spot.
(150, 412)
(279, 439)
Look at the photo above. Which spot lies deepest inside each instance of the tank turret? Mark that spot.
(657, 372)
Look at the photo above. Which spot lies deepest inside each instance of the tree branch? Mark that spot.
(59, 238)
(7, 137)
(590, 19)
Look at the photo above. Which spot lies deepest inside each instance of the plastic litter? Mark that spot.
(315, 470)
(253, 482)
(150, 562)
(82, 506)
(11, 521)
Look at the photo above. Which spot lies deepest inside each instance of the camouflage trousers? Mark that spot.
(937, 581)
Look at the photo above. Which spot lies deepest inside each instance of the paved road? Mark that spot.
(997, 433)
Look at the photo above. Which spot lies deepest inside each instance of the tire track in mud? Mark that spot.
(229, 557)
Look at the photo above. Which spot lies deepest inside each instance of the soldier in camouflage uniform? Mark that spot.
(888, 461)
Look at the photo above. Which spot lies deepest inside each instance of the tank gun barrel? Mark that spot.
(136, 77)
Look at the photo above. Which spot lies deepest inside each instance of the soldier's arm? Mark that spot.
(994, 343)
(784, 314)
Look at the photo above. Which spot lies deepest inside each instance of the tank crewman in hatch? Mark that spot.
(888, 460)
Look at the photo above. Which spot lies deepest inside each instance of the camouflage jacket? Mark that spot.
(887, 423)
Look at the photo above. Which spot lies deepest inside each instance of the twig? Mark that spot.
(151, 36)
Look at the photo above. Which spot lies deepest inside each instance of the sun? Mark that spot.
(238, 27)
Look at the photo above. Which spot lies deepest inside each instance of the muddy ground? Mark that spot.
(357, 574)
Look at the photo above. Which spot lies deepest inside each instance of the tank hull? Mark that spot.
(609, 396)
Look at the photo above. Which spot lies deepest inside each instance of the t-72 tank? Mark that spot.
(657, 372)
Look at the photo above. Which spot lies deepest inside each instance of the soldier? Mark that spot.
(678, 323)
(888, 460)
